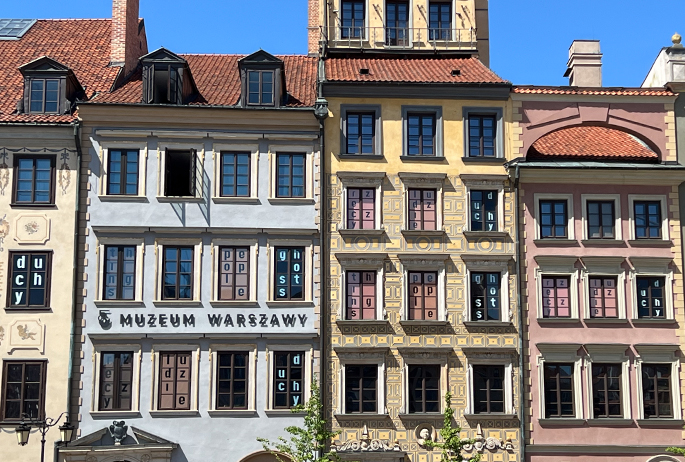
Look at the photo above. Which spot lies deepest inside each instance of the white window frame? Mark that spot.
(105, 148)
(198, 249)
(659, 354)
(309, 174)
(195, 355)
(609, 354)
(253, 247)
(653, 267)
(362, 180)
(354, 356)
(426, 263)
(362, 262)
(618, 228)
(570, 225)
(665, 234)
(488, 264)
(423, 181)
(557, 266)
(486, 359)
(412, 357)
(308, 351)
(162, 149)
(100, 256)
(485, 183)
(599, 267)
(253, 151)
(561, 353)
(98, 350)
(308, 258)
(214, 350)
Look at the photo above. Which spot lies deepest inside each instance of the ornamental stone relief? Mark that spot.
(26, 334)
(32, 229)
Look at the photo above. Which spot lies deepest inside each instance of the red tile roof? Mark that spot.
(218, 81)
(591, 143)
(83, 45)
(530, 90)
(411, 70)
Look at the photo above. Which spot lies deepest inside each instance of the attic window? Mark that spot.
(166, 78)
(260, 88)
(364, 71)
(49, 87)
(44, 96)
(456, 72)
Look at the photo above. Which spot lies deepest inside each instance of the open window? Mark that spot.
(166, 78)
(180, 173)
(49, 87)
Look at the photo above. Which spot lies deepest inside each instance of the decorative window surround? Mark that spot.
(103, 152)
(438, 143)
(362, 180)
(162, 149)
(363, 261)
(613, 354)
(561, 353)
(659, 354)
(98, 350)
(557, 266)
(252, 245)
(490, 356)
(618, 228)
(426, 356)
(357, 356)
(490, 264)
(309, 174)
(423, 262)
(570, 217)
(307, 373)
(656, 267)
(214, 350)
(197, 270)
(423, 181)
(194, 351)
(253, 150)
(604, 266)
(101, 258)
(308, 255)
(498, 113)
(484, 183)
(378, 126)
(665, 234)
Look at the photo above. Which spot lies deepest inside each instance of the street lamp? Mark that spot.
(23, 431)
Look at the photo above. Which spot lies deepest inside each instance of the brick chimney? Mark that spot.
(483, 31)
(313, 31)
(584, 64)
(128, 35)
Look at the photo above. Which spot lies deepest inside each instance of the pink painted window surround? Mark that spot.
(422, 213)
(556, 301)
(603, 297)
(361, 295)
(361, 204)
(423, 296)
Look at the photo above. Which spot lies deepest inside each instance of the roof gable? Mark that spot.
(162, 55)
(260, 57)
(43, 64)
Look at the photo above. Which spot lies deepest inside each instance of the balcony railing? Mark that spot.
(410, 38)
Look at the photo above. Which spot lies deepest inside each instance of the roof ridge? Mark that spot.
(74, 19)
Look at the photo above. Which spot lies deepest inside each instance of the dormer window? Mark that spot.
(261, 88)
(44, 96)
(262, 78)
(166, 78)
(49, 87)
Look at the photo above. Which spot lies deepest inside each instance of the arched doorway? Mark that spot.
(663, 459)
(263, 456)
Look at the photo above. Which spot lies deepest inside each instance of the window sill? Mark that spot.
(123, 198)
(27, 309)
(234, 303)
(603, 242)
(551, 242)
(651, 243)
(421, 416)
(488, 324)
(163, 414)
(424, 322)
(558, 320)
(479, 234)
(660, 423)
(106, 415)
(119, 303)
(177, 303)
(237, 200)
(361, 156)
(291, 201)
(423, 233)
(605, 321)
(569, 422)
(423, 159)
(171, 199)
(362, 322)
(283, 413)
(653, 321)
(488, 160)
(361, 232)
(610, 422)
(289, 304)
(33, 206)
(233, 413)
(492, 416)
(361, 416)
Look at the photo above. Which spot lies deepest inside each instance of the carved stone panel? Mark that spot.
(32, 229)
(26, 335)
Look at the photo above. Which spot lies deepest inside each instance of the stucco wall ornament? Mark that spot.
(366, 444)
(32, 229)
(4, 172)
(424, 433)
(25, 333)
(118, 431)
(64, 179)
(2, 334)
(4, 230)
(481, 444)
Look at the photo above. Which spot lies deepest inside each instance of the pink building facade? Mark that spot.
(601, 273)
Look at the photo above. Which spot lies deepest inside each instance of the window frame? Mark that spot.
(378, 129)
(49, 254)
(194, 351)
(103, 182)
(116, 383)
(608, 354)
(431, 30)
(665, 216)
(438, 135)
(480, 357)
(42, 394)
(659, 354)
(261, 73)
(498, 114)
(422, 221)
(488, 388)
(196, 280)
(653, 267)
(439, 368)
(488, 264)
(222, 176)
(363, 33)
(101, 256)
(557, 353)
(399, 42)
(604, 267)
(98, 349)
(307, 350)
(570, 218)
(178, 272)
(360, 125)
(478, 182)
(253, 247)
(252, 362)
(15, 182)
(217, 379)
(124, 172)
(119, 286)
(306, 174)
(424, 263)
(358, 356)
(253, 173)
(60, 94)
(199, 183)
(362, 180)
(361, 379)
(308, 272)
(556, 266)
(364, 262)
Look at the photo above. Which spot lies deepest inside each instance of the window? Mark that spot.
(174, 379)
(116, 381)
(291, 175)
(352, 25)
(422, 211)
(178, 273)
(488, 385)
(180, 174)
(420, 134)
(482, 135)
(647, 219)
(656, 391)
(29, 280)
(260, 88)
(289, 273)
(485, 296)
(44, 97)
(23, 390)
(484, 210)
(651, 297)
(231, 381)
(397, 19)
(606, 391)
(361, 295)
(234, 273)
(235, 174)
(559, 390)
(603, 297)
(440, 20)
(556, 301)
(120, 272)
(288, 379)
(423, 296)
(601, 220)
(122, 177)
(360, 132)
(361, 389)
(361, 212)
(33, 183)
(553, 219)
(424, 389)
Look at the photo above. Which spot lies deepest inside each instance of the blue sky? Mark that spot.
(529, 38)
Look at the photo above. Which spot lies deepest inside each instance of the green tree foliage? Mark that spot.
(452, 444)
(679, 451)
(307, 443)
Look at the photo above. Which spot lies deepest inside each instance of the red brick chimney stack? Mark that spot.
(128, 37)
(313, 31)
